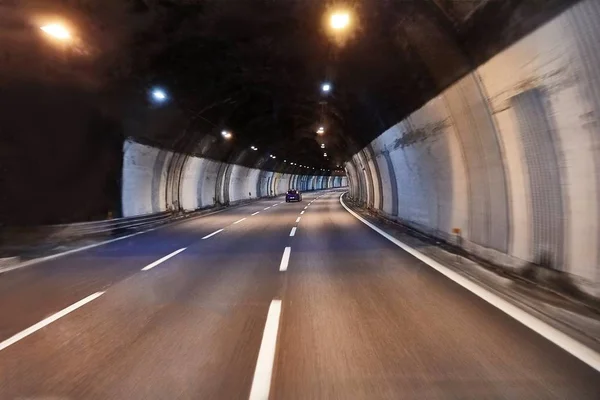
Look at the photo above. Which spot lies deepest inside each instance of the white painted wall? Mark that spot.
(192, 176)
(146, 171)
(206, 185)
(282, 183)
(510, 153)
(243, 183)
(143, 178)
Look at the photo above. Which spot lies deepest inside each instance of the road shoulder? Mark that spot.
(572, 318)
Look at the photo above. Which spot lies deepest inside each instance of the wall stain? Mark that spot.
(427, 133)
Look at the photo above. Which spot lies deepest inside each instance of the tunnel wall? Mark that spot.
(156, 180)
(509, 154)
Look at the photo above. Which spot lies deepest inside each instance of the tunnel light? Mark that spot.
(322, 145)
(326, 87)
(158, 95)
(254, 148)
(57, 31)
(339, 20)
(226, 134)
(324, 154)
(321, 130)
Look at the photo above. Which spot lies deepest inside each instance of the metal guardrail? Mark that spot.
(14, 239)
(11, 237)
(94, 228)
(35, 241)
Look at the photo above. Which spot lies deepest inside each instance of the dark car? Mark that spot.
(293, 195)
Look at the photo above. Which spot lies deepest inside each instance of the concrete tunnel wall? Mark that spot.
(156, 180)
(509, 154)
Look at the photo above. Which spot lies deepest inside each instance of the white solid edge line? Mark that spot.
(301, 212)
(64, 253)
(293, 231)
(239, 220)
(562, 340)
(285, 259)
(261, 383)
(212, 234)
(91, 246)
(47, 321)
(165, 258)
(298, 219)
(256, 213)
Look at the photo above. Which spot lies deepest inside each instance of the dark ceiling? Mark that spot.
(253, 67)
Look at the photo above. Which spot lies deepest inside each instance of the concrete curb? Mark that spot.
(6, 262)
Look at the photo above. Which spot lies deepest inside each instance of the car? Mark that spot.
(293, 195)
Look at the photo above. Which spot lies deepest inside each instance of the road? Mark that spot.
(342, 314)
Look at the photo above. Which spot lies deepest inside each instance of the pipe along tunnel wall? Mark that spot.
(509, 154)
(156, 180)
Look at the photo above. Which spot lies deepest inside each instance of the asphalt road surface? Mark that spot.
(341, 314)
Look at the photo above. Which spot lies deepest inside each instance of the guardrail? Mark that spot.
(95, 228)
(13, 238)
(41, 240)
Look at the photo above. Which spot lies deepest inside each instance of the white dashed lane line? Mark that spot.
(261, 382)
(256, 213)
(301, 212)
(165, 258)
(212, 234)
(293, 232)
(239, 220)
(285, 259)
(266, 208)
(298, 219)
(45, 322)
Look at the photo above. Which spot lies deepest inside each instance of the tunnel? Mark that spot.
(475, 124)
(470, 127)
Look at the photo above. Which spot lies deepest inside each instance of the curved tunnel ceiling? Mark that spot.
(254, 68)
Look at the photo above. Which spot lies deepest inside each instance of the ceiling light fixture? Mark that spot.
(57, 31)
(226, 134)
